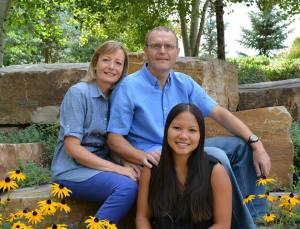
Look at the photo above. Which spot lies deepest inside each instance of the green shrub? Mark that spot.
(295, 134)
(47, 134)
(295, 49)
(35, 175)
(261, 68)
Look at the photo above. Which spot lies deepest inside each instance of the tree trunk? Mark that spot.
(3, 13)
(220, 29)
(194, 24)
(183, 28)
(201, 28)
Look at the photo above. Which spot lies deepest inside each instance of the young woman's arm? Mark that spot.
(90, 160)
(222, 198)
(143, 212)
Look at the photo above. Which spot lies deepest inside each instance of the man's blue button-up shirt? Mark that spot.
(139, 107)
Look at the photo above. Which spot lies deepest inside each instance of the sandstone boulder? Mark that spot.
(267, 94)
(11, 155)
(33, 93)
(273, 125)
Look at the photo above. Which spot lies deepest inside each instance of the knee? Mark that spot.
(129, 188)
(219, 154)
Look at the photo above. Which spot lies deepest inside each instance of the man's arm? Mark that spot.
(235, 126)
(122, 147)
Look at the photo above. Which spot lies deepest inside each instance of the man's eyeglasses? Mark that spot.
(167, 47)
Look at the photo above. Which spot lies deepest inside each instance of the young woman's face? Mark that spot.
(109, 67)
(183, 134)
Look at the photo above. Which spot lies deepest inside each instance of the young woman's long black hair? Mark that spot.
(164, 192)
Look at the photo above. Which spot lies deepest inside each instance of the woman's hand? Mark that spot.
(129, 172)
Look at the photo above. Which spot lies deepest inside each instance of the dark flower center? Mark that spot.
(96, 220)
(268, 214)
(263, 177)
(292, 195)
(48, 202)
(267, 193)
(18, 171)
(7, 179)
(18, 226)
(61, 186)
(24, 211)
(54, 226)
(34, 213)
(63, 202)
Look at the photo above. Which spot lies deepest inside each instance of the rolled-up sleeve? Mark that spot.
(72, 113)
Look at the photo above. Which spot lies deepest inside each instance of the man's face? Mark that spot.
(161, 52)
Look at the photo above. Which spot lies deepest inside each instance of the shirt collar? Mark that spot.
(152, 79)
(95, 91)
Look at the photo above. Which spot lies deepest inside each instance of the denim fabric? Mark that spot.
(242, 171)
(115, 193)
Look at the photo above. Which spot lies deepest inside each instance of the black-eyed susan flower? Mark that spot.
(95, 223)
(58, 226)
(289, 213)
(248, 199)
(269, 217)
(111, 226)
(20, 225)
(60, 190)
(289, 200)
(264, 181)
(267, 196)
(34, 216)
(7, 184)
(16, 175)
(62, 206)
(12, 217)
(21, 213)
(47, 207)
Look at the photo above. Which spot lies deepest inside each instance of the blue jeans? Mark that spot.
(239, 165)
(115, 193)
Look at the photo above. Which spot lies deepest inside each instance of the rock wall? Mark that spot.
(33, 93)
(267, 94)
(273, 125)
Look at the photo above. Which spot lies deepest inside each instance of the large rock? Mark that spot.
(267, 94)
(33, 93)
(273, 125)
(11, 155)
(27, 198)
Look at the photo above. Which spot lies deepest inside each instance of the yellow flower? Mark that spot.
(34, 217)
(289, 200)
(263, 181)
(95, 223)
(12, 217)
(8, 184)
(19, 225)
(62, 206)
(269, 218)
(21, 213)
(248, 199)
(60, 191)
(58, 226)
(111, 226)
(47, 207)
(1, 219)
(16, 175)
(289, 213)
(267, 196)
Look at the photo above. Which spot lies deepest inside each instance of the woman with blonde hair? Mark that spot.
(82, 161)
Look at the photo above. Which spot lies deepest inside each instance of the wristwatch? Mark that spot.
(252, 139)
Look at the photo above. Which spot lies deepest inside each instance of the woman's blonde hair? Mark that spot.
(107, 47)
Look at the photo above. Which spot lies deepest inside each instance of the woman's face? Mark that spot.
(183, 134)
(109, 68)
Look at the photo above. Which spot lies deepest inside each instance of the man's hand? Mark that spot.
(151, 159)
(261, 159)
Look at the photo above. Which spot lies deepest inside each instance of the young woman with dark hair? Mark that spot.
(188, 188)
